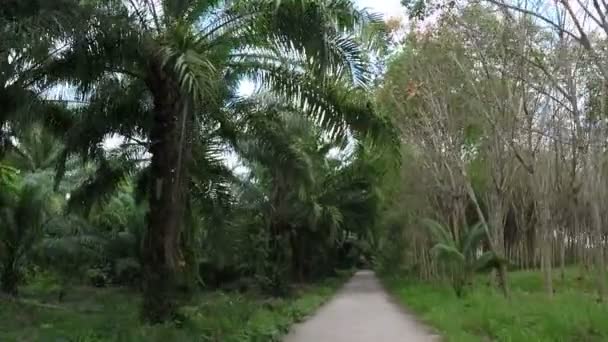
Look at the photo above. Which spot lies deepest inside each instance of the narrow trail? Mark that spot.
(361, 312)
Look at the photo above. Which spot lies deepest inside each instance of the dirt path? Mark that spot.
(360, 312)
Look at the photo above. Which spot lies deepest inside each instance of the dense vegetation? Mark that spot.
(112, 314)
(132, 158)
(501, 108)
(203, 169)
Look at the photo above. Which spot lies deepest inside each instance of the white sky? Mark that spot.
(389, 8)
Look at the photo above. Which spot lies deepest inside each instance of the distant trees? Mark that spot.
(501, 114)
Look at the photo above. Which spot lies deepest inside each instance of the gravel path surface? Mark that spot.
(361, 312)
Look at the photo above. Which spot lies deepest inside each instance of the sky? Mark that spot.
(389, 8)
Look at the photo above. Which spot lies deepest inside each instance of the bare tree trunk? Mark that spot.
(546, 250)
(547, 271)
(598, 246)
(562, 256)
(502, 272)
(496, 218)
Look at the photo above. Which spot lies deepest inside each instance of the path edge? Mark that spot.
(393, 299)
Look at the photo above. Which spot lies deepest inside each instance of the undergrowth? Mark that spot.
(572, 314)
(91, 315)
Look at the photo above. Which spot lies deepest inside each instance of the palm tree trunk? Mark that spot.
(279, 263)
(9, 277)
(297, 250)
(170, 149)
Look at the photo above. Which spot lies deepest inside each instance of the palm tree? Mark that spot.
(350, 187)
(34, 150)
(29, 30)
(306, 197)
(153, 71)
(279, 144)
(23, 208)
(461, 256)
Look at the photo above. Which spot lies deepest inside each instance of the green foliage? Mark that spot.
(23, 210)
(8, 176)
(571, 315)
(462, 256)
(422, 9)
(88, 314)
(126, 102)
(105, 248)
(311, 203)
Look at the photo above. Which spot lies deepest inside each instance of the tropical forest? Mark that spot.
(303, 170)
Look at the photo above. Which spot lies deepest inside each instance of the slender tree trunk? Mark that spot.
(170, 149)
(502, 271)
(547, 272)
(600, 262)
(497, 224)
(546, 249)
(562, 257)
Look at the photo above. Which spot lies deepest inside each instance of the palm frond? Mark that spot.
(193, 64)
(8, 176)
(351, 57)
(319, 28)
(109, 176)
(271, 137)
(21, 218)
(439, 232)
(488, 260)
(333, 219)
(472, 237)
(332, 104)
(447, 252)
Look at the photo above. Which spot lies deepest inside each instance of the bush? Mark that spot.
(96, 277)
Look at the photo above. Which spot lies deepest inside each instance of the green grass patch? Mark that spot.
(573, 314)
(91, 314)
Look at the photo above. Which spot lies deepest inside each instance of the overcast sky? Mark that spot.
(389, 8)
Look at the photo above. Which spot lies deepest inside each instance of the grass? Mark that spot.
(573, 314)
(91, 314)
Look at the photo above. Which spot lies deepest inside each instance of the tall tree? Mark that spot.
(316, 202)
(155, 71)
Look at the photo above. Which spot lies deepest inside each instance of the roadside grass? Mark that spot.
(573, 314)
(91, 314)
